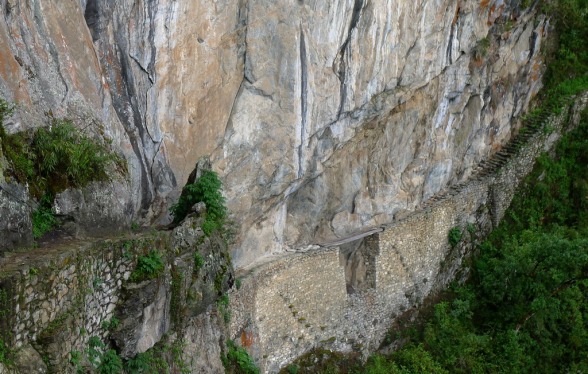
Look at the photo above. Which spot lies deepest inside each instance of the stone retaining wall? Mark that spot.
(55, 298)
(59, 300)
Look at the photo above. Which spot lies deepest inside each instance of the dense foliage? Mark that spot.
(206, 189)
(53, 159)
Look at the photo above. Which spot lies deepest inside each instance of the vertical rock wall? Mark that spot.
(321, 117)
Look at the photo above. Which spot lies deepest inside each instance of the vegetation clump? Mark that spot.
(112, 324)
(43, 218)
(198, 261)
(162, 358)
(224, 308)
(105, 361)
(238, 361)
(206, 189)
(51, 160)
(4, 354)
(148, 267)
(454, 236)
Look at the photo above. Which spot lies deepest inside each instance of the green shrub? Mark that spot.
(53, 159)
(112, 324)
(454, 236)
(409, 360)
(141, 363)
(148, 267)
(198, 261)
(223, 307)
(162, 358)
(293, 369)
(237, 360)
(95, 348)
(43, 219)
(4, 353)
(104, 361)
(76, 361)
(144, 363)
(206, 189)
(110, 363)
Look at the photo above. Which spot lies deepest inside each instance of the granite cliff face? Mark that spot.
(322, 117)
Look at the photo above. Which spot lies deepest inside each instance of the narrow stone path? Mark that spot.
(351, 238)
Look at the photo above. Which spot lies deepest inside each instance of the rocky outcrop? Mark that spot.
(15, 210)
(323, 118)
(144, 313)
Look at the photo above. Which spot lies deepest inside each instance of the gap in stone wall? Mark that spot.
(358, 258)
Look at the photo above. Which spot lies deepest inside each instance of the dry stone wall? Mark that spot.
(58, 300)
(302, 300)
(55, 299)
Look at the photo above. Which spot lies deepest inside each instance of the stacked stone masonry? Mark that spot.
(76, 289)
(54, 299)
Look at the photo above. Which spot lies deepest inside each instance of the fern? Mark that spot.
(148, 267)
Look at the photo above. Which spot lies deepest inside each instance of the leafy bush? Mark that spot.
(238, 361)
(198, 261)
(454, 236)
(161, 358)
(110, 363)
(223, 307)
(148, 267)
(53, 159)
(4, 353)
(111, 324)
(206, 189)
(416, 359)
(481, 49)
(95, 349)
(76, 361)
(569, 59)
(104, 361)
(146, 363)
(141, 363)
(43, 219)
